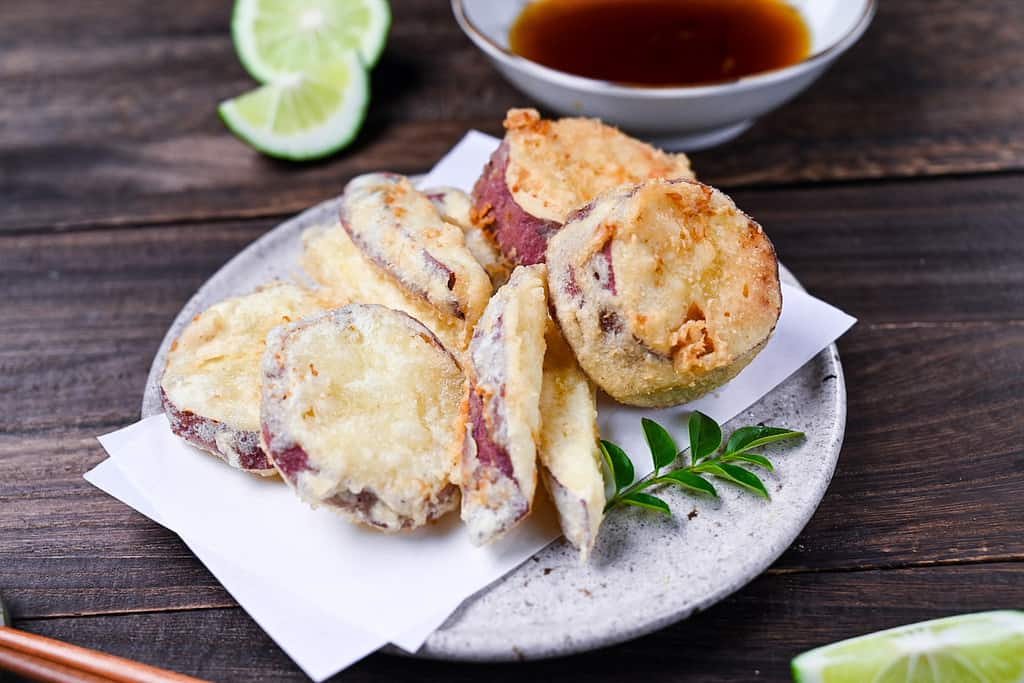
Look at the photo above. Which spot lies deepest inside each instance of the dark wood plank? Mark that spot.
(108, 115)
(931, 467)
(67, 549)
(925, 250)
(86, 312)
(158, 581)
(750, 636)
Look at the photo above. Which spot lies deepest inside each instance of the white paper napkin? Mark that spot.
(329, 592)
(319, 642)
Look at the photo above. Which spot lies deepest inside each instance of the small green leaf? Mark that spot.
(619, 463)
(744, 478)
(711, 468)
(690, 481)
(747, 438)
(705, 436)
(645, 500)
(663, 446)
(751, 458)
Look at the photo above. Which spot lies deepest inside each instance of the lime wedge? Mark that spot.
(987, 647)
(305, 116)
(275, 38)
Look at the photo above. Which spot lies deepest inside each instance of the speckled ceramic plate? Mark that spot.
(646, 571)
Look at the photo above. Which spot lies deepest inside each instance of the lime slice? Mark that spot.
(987, 647)
(305, 116)
(276, 38)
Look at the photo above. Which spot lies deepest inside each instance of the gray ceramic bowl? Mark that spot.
(646, 571)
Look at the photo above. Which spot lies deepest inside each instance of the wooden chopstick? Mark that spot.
(41, 656)
(43, 670)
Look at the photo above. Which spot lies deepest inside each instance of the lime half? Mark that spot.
(987, 647)
(277, 38)
(303, 116)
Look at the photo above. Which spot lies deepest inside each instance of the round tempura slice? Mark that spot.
(544, 170)
(499, 461)
(399, 229)
(211, 385)
(363, 413)
(665, 290)
(568, 450)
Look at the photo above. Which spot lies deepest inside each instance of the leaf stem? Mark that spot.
(645, 483)
(636, 487)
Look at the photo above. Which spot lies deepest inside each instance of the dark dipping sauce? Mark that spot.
(661, 42)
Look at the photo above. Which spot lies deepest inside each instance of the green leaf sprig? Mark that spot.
(707, 457)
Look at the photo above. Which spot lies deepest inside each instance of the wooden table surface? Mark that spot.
(894, 189)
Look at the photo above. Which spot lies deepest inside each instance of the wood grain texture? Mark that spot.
(68, 549)
(921, 250)
(934, 450)
(109, 113)
(85, 312)
(749, 636)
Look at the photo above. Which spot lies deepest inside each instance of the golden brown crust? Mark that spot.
(545, 170)
(665, 290)
(521, 118)
(555, 167)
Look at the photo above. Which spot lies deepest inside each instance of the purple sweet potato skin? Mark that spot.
(360, 504)
(523, 238)
(199, 431)
(291, 461)
(489, 453)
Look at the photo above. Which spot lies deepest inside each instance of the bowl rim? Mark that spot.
(594, 85)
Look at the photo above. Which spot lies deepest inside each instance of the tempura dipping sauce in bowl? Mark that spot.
(685, 74)
(661, 42)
